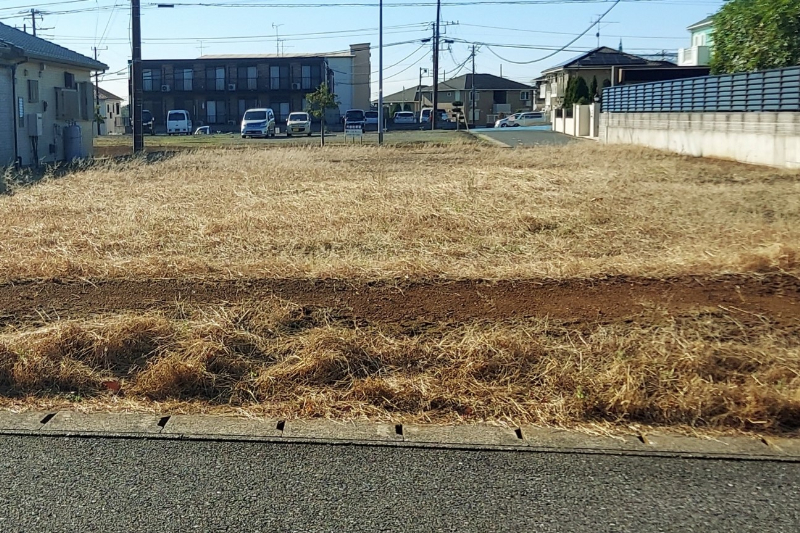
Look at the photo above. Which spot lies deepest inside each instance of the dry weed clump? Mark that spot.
(475, 211)
(705, 370)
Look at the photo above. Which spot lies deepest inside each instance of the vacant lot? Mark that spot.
(561, 285)
(115, 145)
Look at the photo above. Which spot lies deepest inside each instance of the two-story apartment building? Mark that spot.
(109, 109)
(46, 100)
(218, 89)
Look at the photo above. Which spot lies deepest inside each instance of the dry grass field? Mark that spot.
(573, 285)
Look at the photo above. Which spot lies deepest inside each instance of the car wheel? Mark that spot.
(288, 134)
(515, 126)
(308, 134)
(503, 125)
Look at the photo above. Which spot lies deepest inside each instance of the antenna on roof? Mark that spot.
(600, 26)
(620, 44)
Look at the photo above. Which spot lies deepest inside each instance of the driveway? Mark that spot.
(531, 136)
(54, 484)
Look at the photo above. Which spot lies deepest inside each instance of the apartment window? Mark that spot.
(247, 78)
(183, 79)
(215, 112)
(306, 77)
(245, 104)
(69, 80)
(33, 91)
(524, 95)
(215, 79)
(274, 78)
(151, 80)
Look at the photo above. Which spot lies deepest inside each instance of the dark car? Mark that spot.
(355, 116)
(148, 122)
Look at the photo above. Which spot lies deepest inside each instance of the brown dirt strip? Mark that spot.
(776, 296)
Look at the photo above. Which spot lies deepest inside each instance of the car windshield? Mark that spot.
(255, 115)
(146, 116)
(354, 115)
(298, 117)
(371, 114)
(176, 116)
(404, 114)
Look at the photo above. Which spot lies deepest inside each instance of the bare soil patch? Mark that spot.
(776, 296)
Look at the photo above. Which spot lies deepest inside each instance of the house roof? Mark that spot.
(40, 49)
(708, 21)
(483, 82)
(105, 95)
(274, 56)
(607, 57)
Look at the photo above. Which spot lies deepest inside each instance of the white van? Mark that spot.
(179, 122)
(259, 122)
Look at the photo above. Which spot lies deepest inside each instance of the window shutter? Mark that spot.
(33, 91)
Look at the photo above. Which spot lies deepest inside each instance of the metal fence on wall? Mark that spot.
(768, 90)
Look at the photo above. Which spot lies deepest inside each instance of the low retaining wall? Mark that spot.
(760, 138)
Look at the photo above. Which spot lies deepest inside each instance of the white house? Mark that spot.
(45, 91)
(699, 54)
(109, 108)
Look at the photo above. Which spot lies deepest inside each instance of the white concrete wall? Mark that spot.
(50, 78)
(760, 138)
(343, 81)
(582, 116)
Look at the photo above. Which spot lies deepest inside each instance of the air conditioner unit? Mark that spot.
(231, 86)
(165, 88)
(295, 86)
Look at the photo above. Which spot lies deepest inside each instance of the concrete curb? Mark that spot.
(467, 437)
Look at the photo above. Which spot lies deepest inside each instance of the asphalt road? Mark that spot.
(533, 136)
(53, 484)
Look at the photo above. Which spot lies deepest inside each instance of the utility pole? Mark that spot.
(277, 40)
(136, 76)
(472, 91)
(380, 72)
(33, 19)
(96, 94)
(436, 65)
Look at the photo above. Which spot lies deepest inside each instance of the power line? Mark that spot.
(563, 47)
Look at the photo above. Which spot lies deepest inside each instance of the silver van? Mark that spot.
(258, 122)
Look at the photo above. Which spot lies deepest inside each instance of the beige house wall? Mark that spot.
(51, 143)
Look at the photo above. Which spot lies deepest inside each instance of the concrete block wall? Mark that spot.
(760, 138)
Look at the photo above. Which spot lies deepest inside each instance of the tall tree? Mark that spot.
(317, 103)
(756, 35)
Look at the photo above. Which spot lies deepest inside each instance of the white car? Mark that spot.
(203, 130)
(531, 118)
(507, 122)
(179, 122)
(298, 124)
(371, 118)
(404, 117)
(258, 123)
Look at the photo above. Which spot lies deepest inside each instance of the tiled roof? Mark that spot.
(607, 57)
(105, 95)
(43, 50)
(705, 22)
(483, 82)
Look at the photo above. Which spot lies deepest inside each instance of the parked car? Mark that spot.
(355, 116)
(298, 124)
(425, 115)
(371, 118)
(533, 118)
(404, 117)
(203, 130)
(259, 122)
(507, 121)
(179, 122)
(148, 122)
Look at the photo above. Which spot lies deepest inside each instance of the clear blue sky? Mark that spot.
(645, 26)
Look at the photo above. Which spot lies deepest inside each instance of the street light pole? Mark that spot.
(380, 72)
(136, 76)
